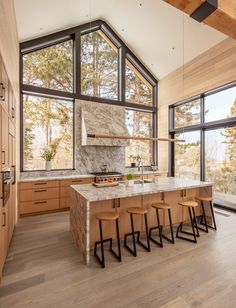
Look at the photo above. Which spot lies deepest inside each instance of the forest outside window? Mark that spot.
(50, 67)
(187, 114)
(139, 124)
(47, 124)
(137, 89)
(99, 66)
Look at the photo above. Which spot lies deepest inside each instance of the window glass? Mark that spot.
(220, 162)
(47, 127)
(50, 67)
(99, 66)
(139, 124)
(187, 155)
(219, 105)
(187, 114)
(137, 89)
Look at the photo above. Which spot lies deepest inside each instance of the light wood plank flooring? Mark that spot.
(44, 269)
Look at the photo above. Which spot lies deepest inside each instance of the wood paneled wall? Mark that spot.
(9, 50)
(213, 68)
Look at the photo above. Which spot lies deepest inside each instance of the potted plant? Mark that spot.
(130, 179)
(48, 154)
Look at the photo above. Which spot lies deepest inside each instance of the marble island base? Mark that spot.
(87, 201)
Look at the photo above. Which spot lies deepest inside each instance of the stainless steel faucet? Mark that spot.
(141, 163)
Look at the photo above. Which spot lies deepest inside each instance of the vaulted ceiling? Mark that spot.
(162, 37)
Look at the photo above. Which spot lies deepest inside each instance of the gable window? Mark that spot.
(50, 67)
(89, 62)
(99, 66)
(137, 89)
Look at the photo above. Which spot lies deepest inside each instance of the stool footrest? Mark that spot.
(138, 241)
(111, 250)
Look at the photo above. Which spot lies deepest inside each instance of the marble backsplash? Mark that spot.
(90, 158)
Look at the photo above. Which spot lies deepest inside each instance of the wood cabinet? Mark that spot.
(5, 89)
(5, 129)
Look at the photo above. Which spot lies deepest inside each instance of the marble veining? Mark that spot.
(91, 193)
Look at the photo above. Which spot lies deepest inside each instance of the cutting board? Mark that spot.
(98, 185)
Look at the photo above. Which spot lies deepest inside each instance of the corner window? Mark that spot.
(47, 127)
(50, 67)
(187, 114)
(99, 66)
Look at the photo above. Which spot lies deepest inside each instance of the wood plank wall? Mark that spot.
(9, 50)
(213, 68)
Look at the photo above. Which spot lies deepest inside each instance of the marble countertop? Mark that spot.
(75, 176)
(91, 193)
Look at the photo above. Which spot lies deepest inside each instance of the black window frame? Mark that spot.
(202, 127)
(75, 35)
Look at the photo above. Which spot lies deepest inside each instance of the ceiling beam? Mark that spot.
(218, 14)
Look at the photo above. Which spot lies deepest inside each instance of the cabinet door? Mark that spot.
(5, 229)
(4, 99)
(12, 201)
(1, 241)
(4, 154)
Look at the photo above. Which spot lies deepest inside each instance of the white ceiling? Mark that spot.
(160, 35)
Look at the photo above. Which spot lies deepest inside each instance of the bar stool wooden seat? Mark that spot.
(107, 216)
(162, 206)
(191, 205)
(206, 226)
(137, 211)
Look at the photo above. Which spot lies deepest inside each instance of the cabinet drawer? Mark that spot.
(39, 194)
(65, 191)
(76, 181)
(39, 184)
(39, 206)
(64, 203)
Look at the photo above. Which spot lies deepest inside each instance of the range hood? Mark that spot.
(97, 118)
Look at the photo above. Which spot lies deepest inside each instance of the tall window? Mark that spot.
(208, 126)
(139, 124)
(48, 126)
(99, 66)
(88, 62)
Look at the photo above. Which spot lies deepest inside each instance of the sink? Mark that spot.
(140, 181)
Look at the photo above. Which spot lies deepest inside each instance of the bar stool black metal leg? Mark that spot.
(101, 261)
(203, 217)
(159, 229)
(213, 217)
(134, 251)
(147, 235)
(192, 223)
(172, 240)
(118, 239)
(195, 222)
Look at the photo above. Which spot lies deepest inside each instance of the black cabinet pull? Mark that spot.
(4, 220)
(4, 155)
(13, 112)
(14, 174)
(41, 183)
(2, 93)
(40, 202)
(41, 190)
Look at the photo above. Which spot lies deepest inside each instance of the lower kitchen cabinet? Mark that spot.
(39, 206)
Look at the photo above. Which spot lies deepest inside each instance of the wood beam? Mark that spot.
(223, 18)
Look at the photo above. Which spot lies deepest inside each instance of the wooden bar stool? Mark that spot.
(107, 216)
(162, 206)
(206, 199)
(137, 211)
(190, 205)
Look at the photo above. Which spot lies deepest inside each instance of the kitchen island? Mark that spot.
(87, 200)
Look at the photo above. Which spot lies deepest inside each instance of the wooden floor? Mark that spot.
(44, 269)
